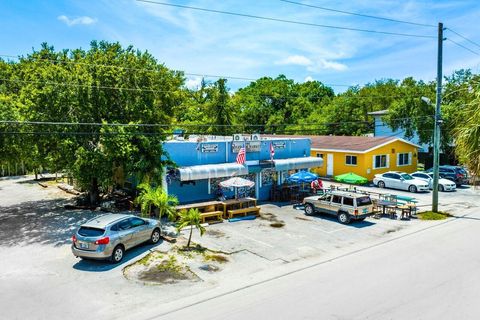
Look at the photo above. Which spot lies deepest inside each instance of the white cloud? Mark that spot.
(74, 21)
(316, 65)
(308, 79)
(296, 60)
(193, 83)
(324, 64)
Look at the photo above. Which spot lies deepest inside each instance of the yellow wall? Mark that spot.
(364, 165)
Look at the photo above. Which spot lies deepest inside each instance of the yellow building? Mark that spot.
(365, 156)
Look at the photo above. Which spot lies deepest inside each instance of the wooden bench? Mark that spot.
(243, 211)
(210, 214)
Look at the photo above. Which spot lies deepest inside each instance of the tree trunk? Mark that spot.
(36, 173)
(190, 237)
(94, 192)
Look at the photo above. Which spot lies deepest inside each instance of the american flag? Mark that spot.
(241, 156)
(272, 151)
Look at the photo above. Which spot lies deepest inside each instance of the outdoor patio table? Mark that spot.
(386, 204)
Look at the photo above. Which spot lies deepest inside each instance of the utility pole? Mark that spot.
(438, 120)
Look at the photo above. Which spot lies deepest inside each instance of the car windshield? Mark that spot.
(363, 201)
(90, 232)
(407, 176)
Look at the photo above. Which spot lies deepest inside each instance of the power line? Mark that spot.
(152, 70)
(359, 14)
(462, 46)
(67, 84)
(286, 21)
(463, 37)
(127, 68)
(163, 125)
(273, 96)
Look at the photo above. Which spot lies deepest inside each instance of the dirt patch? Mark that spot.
(176, 265)
(159, 269)
(278, 224)
(303, 218)
(268, 216)
(216, 257)
(215, 233)
(392, 230)
(275, 223)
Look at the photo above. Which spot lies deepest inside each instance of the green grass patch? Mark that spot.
(430, 215)
(216, 257)
(170, 265)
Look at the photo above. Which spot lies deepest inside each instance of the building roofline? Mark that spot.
(367, 150)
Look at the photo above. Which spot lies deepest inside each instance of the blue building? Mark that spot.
(204, 162)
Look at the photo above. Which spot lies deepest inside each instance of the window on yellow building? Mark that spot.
(404, 159)
(320, 155)
(381, 161)
(351, 160)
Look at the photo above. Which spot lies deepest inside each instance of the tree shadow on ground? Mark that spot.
(40, 222)
(104, 265)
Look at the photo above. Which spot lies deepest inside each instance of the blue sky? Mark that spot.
(213, 44)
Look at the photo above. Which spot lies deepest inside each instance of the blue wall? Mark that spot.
(190, 192)
(186, 153)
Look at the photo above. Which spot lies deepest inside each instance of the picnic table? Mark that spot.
(208, 209)
(242, 206)
(387, 204)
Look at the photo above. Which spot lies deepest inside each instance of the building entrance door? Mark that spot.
(329, 164)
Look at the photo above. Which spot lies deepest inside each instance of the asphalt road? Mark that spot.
(431, 274)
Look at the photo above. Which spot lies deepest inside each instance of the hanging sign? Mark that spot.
(209, 147)
(279, 145)
(250, 146)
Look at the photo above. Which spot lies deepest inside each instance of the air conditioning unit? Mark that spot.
(237, 137)
(255, 137)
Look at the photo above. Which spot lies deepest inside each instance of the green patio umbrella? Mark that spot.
(351, 178)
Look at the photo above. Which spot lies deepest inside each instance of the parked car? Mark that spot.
(345, 206)
(108, 236)
(455, 173)
(401, 181)
(443, 184)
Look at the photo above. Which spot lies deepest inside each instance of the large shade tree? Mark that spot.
(92, 94)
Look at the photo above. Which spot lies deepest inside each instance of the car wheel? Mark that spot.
(381, 184)
(117, 254)
(309, 210)
(412, 188)
(440, 188)
(343, 217)
(155, 237)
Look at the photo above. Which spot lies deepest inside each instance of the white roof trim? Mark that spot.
(297, 163)
(368, 150)
(212, 171)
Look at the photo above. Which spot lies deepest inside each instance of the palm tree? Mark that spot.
(190, 218)
(467, 137)
(155, 197)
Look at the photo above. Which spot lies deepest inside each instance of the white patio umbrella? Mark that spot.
(237, 182)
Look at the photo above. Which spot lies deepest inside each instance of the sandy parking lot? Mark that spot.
(41, 279)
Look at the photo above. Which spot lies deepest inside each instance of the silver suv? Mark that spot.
(346, 206)
(108, 236)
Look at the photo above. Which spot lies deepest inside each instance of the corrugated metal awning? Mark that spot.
(212, 171)
(297, 163)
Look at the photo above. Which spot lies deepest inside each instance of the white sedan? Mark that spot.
(443, 184)
(401, 181)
